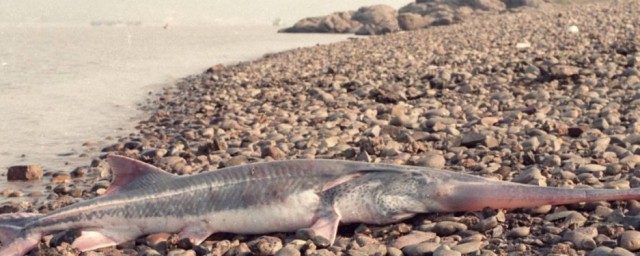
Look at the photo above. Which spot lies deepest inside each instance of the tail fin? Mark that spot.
(15, 239)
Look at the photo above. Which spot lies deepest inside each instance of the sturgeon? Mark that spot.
(277, 196)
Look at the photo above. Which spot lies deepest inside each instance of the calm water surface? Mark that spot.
(61, 86)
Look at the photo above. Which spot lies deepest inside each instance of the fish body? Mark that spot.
(269, 197)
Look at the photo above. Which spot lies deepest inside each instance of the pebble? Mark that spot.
(474, 139)
(444, 250)
(466, 248)
(420, 249)
(432, 160)
(265, 245)
(446, 228)
(288, 251)
(581, 240)
(630, 240)
(519, 232)
(24, 173)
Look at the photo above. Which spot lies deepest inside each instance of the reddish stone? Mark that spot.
(24, 173)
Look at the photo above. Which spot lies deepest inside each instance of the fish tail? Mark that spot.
(14, 235)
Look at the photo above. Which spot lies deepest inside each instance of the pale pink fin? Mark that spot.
(126, 170)
(196, 234)
(327, 226)
(415, 237)
(340, 180)
(20, 246)
(91, 240)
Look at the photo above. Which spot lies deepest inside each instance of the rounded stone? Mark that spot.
(630, 240)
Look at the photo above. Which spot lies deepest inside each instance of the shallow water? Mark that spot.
(61, 86)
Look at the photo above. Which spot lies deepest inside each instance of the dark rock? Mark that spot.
(64, 237)
(24, 173)
(576, 131)
(473, 139)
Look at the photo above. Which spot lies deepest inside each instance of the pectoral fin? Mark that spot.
(91, 240)
(326, 225)
(196, 234)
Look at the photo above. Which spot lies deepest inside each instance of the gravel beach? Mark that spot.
(548, 96)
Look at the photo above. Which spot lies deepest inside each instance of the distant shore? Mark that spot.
(547, 97)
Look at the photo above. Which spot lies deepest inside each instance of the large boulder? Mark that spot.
(376, 20)
(413, 21)
(523, 3)
(485, 5)
(438, 12)
(417, 8)
(339, 22)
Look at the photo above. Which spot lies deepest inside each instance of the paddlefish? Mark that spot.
(278, 196)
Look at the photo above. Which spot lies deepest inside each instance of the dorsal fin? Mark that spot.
(129, 173)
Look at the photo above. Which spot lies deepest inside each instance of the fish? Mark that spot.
(277, 196)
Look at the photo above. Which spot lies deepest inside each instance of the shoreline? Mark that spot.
(462, 98)
(36, 129)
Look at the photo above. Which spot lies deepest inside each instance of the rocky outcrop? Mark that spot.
(382, 19)
(339, 22)
(484, 5)
(377, 19)
(413, 21)
(511, 4)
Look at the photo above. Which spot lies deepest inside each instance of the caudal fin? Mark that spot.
(17, 241)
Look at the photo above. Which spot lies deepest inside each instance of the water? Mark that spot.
(61, 86)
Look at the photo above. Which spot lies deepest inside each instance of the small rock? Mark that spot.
(370, 249)
(591, 168)
(60, 178)
(576, 131)
(519, 232)
(64, 237)
(619, 251)
(158, 241)
(288, 251)
(564, 71)
(420, 249)
(432, 160)
(273, 152)
(446, 228)
(444, 250)
(523, 45)
(581, 240)
(474, 139)
(467, 248)
(630, 240)
(265, 245)
(600, 251)
(573, 29)
(24, 173)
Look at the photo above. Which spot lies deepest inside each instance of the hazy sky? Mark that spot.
(174, 11)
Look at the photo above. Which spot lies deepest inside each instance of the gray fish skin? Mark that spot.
(273, 197)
